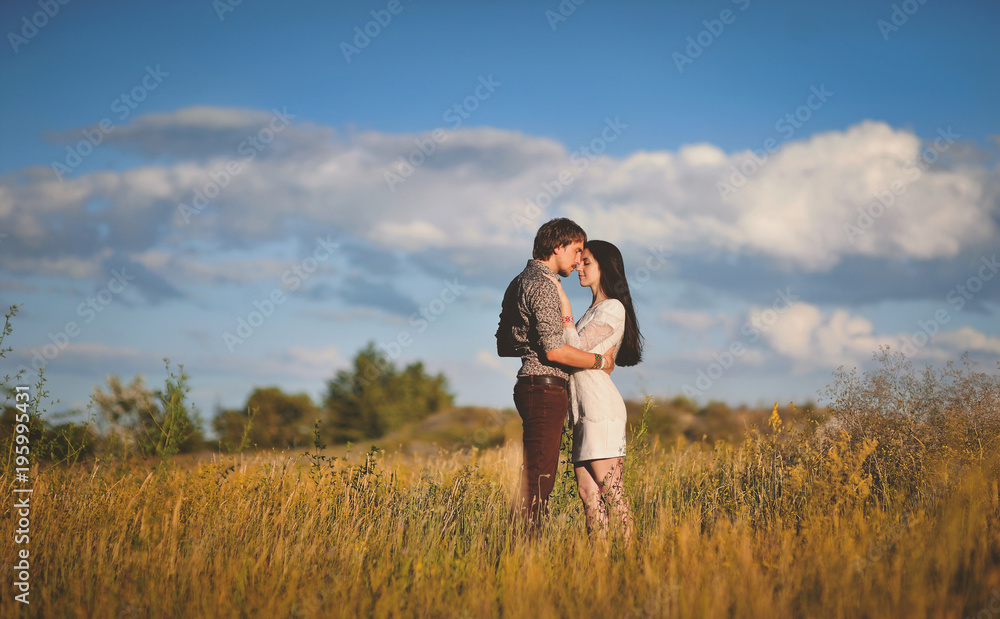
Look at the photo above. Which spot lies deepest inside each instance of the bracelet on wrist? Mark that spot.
(598, 361)
(568, 318)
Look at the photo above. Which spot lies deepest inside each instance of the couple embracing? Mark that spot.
(566, 368)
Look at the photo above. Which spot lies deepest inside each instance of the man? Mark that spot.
(531, 328)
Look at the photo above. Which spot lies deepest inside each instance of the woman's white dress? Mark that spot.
(597, 410)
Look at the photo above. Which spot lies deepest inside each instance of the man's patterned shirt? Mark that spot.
(531, 321)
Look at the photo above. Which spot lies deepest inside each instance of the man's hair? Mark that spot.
(556, 233)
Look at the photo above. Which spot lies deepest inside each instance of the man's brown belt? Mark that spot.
(542, 380)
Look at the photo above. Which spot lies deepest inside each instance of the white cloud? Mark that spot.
(80, 358)
(694, 320)
(703, 155)
(200, 117)
(491, 361)
(967, 338)
(412, 236)
(65, 266)
(461, 201)
(193, 269)
(795, 206)
(295, 362)
(813, 339)
(323, 360)
(707, 356)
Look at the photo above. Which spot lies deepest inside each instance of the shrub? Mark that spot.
(915, 421)
(279, 420)
(376, 398)
(137, 420)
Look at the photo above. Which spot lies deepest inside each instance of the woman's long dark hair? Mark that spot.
(615, 286)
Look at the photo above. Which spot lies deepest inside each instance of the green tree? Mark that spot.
(160, 422)
(374, 398)
(122, 407)
(51, 442)
(54, 442)
(278, 420)
(177, 427)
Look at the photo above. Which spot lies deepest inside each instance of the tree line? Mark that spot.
(368, 400)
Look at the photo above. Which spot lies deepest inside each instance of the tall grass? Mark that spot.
(803, 519)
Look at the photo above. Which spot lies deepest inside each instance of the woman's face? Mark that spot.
(588, 270)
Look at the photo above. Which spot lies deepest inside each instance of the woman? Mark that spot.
(597, 409)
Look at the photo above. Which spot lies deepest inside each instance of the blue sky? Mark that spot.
(873, 196)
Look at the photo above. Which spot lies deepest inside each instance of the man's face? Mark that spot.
(567, 257)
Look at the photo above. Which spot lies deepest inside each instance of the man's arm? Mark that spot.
(550, 329)
(576, 358)
(504, 335)
(573, 342)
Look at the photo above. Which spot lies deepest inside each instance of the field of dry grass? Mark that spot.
(884, 504)
(781, 525)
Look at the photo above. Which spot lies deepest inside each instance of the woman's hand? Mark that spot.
(567, 309)
(609, 356)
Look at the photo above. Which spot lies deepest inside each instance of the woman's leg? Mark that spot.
(590, 494)
(609, 475)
